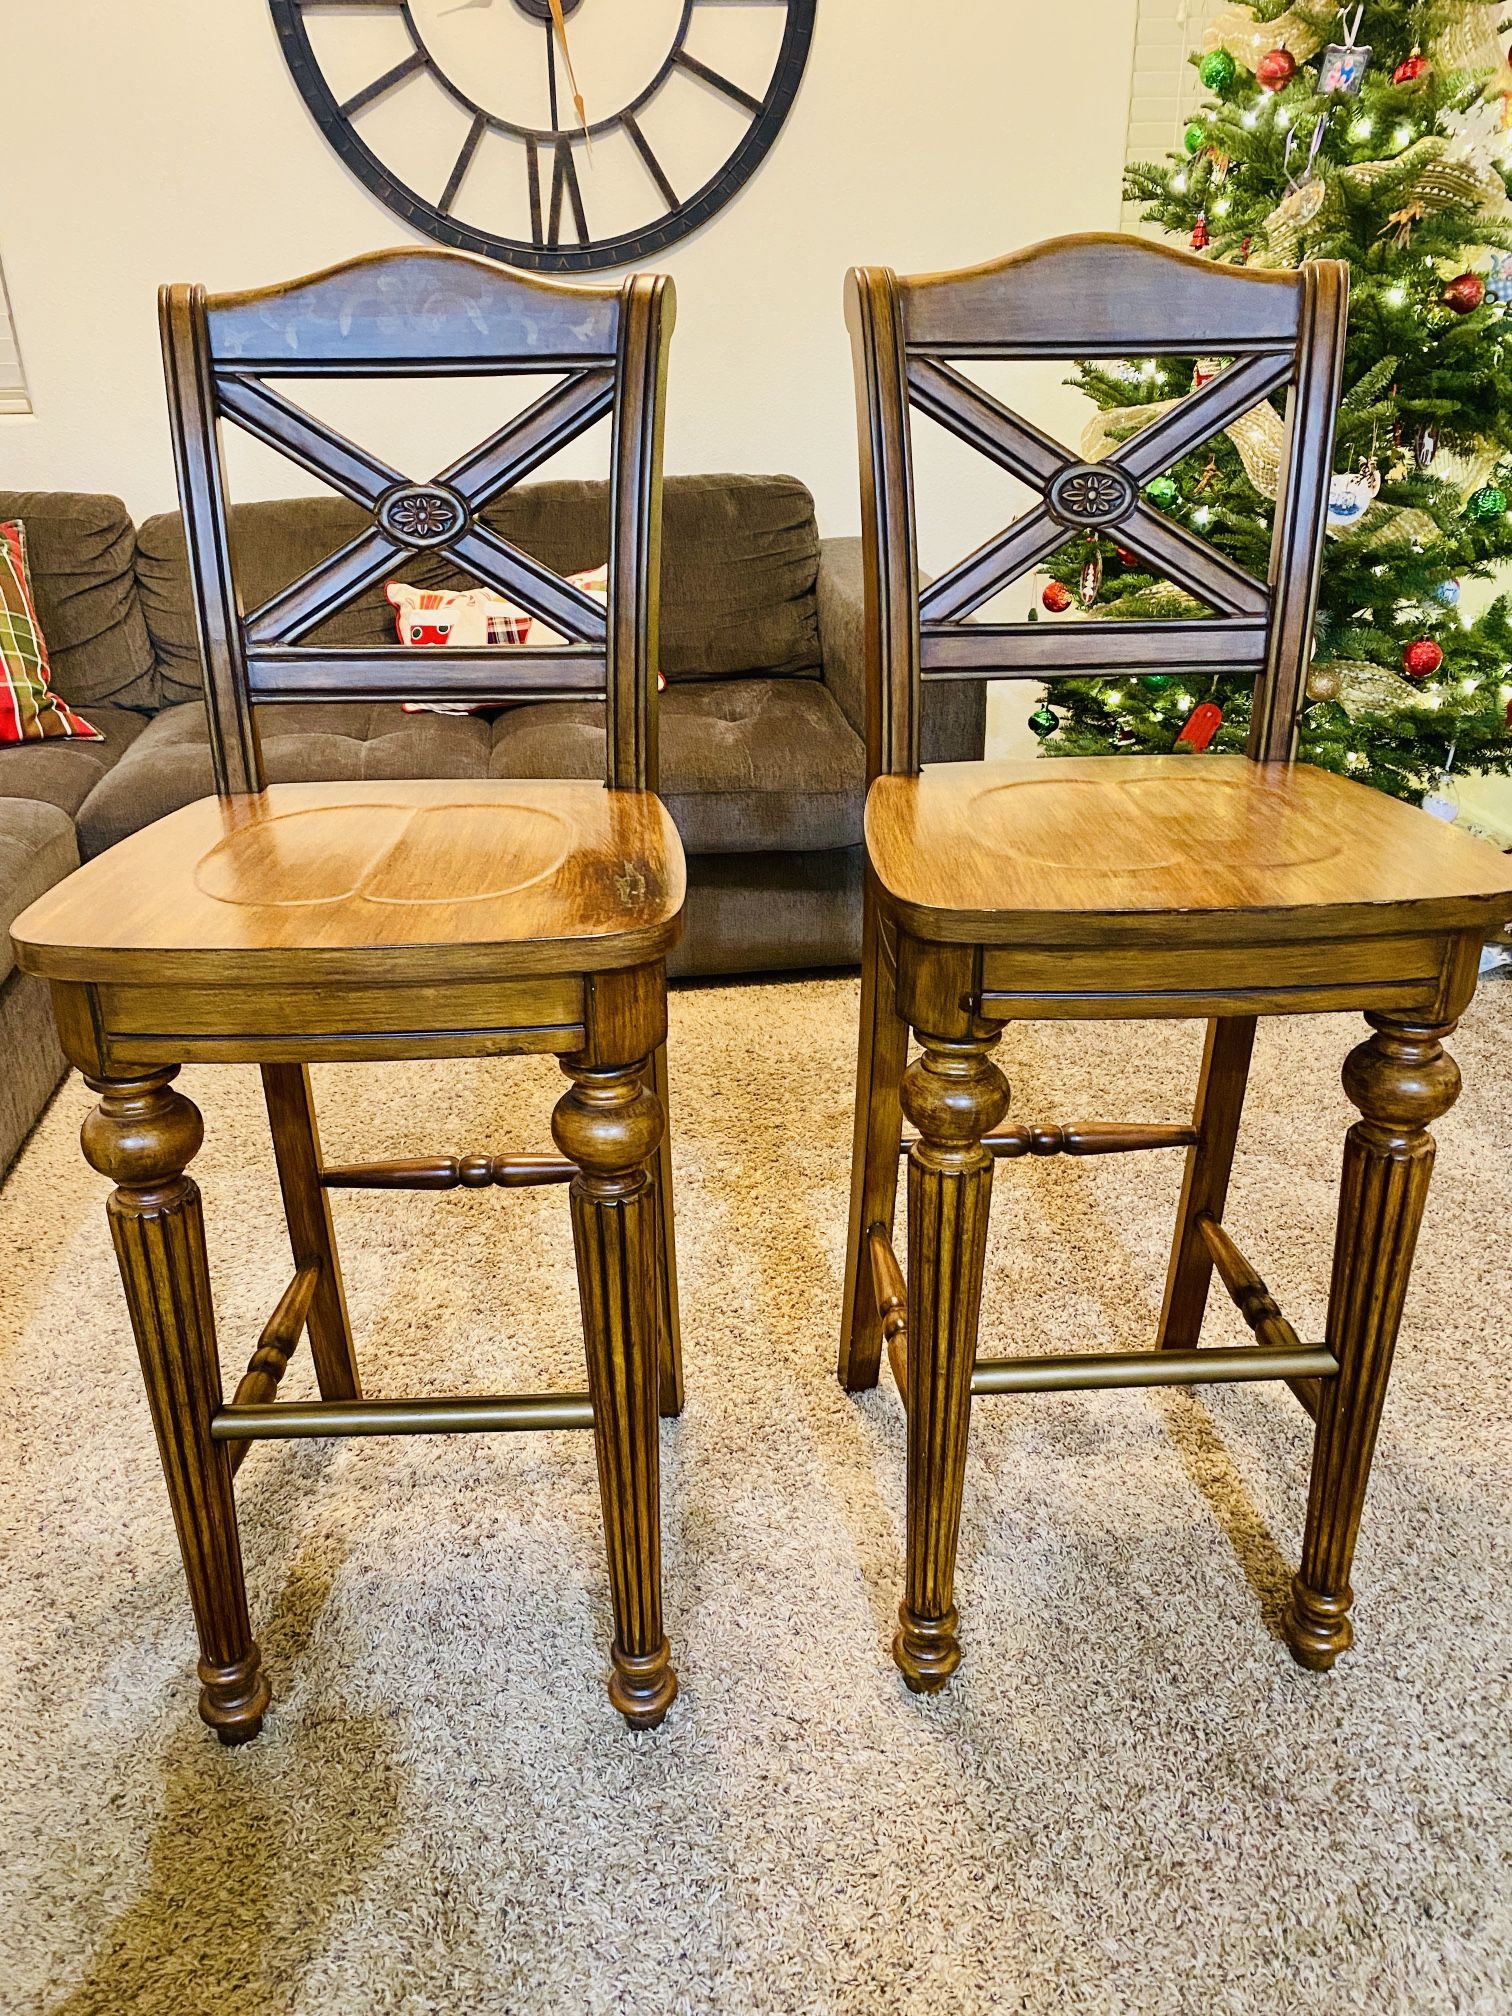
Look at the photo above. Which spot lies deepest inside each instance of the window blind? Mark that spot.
(1164, 90)
(14, 397)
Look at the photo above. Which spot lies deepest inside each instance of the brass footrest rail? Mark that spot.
(1088, 1372)
(1092, 1137)
(1303, 1367)
(487, 1414)
(451, 1172)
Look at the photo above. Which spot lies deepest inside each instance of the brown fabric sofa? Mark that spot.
(761, 754)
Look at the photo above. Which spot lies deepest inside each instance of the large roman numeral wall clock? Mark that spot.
(558, 135)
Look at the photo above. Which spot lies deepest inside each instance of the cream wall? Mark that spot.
(164, 139)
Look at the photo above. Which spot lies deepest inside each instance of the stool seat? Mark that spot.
(378, 880)
(1088, 850)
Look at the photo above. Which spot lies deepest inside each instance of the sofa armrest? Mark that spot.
(842, 627)
(955, 712)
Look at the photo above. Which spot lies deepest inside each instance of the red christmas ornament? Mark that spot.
(1408, 71)
(1244, 251)
(1057, 596)
(1128, 557)
(1421, 658)
(1464, 293)
(1275, 71)
(1202, 727)
(1199, 232)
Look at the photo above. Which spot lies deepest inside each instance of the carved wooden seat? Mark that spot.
(297, 923)
(1226, 887)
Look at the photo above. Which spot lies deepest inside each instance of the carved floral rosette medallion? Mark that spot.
(1091, 493)
(422, 514)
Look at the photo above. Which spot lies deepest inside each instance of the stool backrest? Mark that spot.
(1099, 295)
(412, 315)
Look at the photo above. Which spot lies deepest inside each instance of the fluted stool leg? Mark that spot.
(953, 1094)
(143, 1136)
(1400, 1079)
(610, 1124)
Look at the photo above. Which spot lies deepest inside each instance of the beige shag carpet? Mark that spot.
(1130, 1800)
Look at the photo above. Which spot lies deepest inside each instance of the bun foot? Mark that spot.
(927, 1649)
(234, 1699)
(1317, 1627)
(643, 1688)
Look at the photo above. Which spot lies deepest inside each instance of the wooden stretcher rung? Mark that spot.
(451, 1172)
(275, 1347)
(891, 1292)
(1247, 1291)
(1092, 1137)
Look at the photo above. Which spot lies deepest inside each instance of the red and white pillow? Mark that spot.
(30, 711)
(476, 619)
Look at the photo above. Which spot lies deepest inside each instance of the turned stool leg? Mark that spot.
(1204, 1186)
(953, 1094)
(610, 1124)
(307, 1209)
(669, 1326)
(143, 1136)
(1400, 1079)
(878, 1130)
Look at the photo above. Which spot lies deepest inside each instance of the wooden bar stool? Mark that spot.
(288, 924)
(1226, 887)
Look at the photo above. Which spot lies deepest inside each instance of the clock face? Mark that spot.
(592, 141)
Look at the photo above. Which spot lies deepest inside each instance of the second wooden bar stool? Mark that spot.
(1226, 887)
(295, 923)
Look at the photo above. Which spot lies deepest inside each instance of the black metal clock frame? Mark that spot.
(541, 254)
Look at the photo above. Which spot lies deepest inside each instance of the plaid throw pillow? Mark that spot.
(29, 709)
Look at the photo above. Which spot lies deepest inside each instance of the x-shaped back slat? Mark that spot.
(993, 429)
(468, 485)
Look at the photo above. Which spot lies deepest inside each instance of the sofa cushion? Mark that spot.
(170, 764)
(36, 850)
(747, 765)
(64, 773)
(81, 551)
(740, 559)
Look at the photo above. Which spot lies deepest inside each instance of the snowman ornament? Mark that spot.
(1350, 497)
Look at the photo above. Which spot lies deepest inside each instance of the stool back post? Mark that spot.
(647, 315)
(417, 314)
(1296, 564)
(235, 747)
(874, 315)
(1095, 295)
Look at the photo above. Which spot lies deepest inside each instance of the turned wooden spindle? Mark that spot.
(610, 1124)
(1401, 1078)
(143, 1135)
(258, 1385)
(449, 1172)
(953, 1095)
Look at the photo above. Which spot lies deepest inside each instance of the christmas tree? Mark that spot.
(1378, 134)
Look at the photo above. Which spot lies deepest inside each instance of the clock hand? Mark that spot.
(559, 19)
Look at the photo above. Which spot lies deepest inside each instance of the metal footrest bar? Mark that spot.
(1089, 1371)
(487, 1414)
(275, 1347)
(451, 1172)
(1092, 1137)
